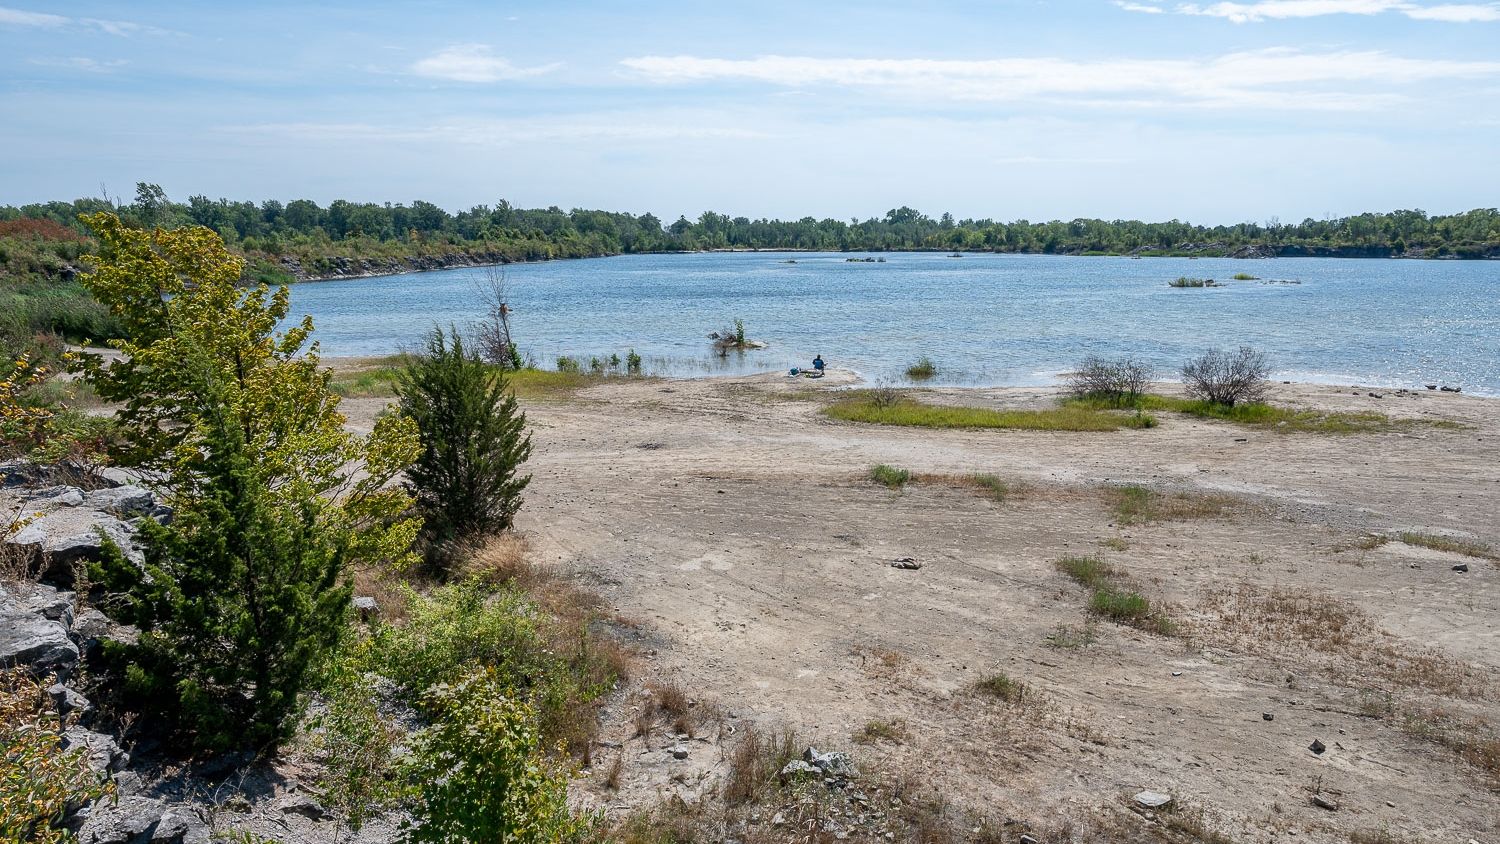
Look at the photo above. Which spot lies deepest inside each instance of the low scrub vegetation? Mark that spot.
(1119, 382)
(1245, 277)
(1259, 414)
(1228, 378)
(40, 786)
(1184, 281)
(911, 413)
(1112, 598)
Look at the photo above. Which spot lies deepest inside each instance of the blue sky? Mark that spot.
(1155, 109)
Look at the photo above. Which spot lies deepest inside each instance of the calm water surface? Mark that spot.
(984, 319)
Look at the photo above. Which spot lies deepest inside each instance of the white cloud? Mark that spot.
(1270, 79)
(21, 17)
(1263, 10)
(494, 133)
(473, 63)
(83, 63)
(1457, 13)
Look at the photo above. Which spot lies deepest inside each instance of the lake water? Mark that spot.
(984, 319)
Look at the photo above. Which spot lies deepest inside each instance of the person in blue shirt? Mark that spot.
(818, 364)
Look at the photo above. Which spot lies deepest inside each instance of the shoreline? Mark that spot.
(853, 379)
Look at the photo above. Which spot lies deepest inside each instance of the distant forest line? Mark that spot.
(301, 239)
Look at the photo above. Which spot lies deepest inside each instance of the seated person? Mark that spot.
(818, 363)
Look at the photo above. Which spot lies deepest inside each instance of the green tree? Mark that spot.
(243, 593)
(479, 774)
(466, 482)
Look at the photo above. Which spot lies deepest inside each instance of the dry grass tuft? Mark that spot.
(1475, 740)
(1004, 688)
(754, 764)
(1283, 621)
(874, 732)
(1135, 504)
(1450, 544)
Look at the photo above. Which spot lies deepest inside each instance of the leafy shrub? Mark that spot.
(566, 363)
(1119, 382)
(463, 627)
(39, 784)
(1228, 378)
(633, 363)
(479, 772)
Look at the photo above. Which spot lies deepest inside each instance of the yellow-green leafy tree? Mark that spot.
(244, 591)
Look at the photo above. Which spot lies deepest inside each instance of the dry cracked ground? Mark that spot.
(734, 527)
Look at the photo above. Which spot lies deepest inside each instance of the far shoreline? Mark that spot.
(415, 270)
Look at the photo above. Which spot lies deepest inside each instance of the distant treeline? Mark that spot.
(306, 239)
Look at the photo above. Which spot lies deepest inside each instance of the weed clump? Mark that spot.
(890, 476)
(1003, 687)
(1090, 572)
(923, 370)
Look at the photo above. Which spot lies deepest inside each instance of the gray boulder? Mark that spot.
(32, 641)
(104, 754)
(833, 763)
(54, 496)
(122, 501)
(142, 820)
(69, 537)
(68, 701)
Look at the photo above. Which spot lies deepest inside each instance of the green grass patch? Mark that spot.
(1451, 544)
(1258, 415)
(911, 413)
(1245, 277)
(1131, 608)
(1087, 571)
(1135, 504)
(890, 476)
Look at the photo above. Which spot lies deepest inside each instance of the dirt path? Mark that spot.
(734, 523)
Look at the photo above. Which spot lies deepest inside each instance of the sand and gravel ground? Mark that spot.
(734, 526)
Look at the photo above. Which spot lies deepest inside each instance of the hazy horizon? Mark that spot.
(1213, 113)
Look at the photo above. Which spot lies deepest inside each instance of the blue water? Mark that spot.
(984, 319)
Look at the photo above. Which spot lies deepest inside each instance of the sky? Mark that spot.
(1213, 112)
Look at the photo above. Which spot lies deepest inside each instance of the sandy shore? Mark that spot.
(735, 525)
